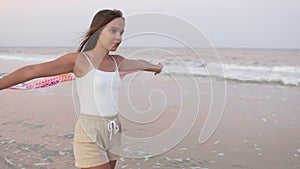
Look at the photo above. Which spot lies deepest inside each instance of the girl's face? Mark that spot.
(111, 35)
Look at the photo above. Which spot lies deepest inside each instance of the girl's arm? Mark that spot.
(138, 65)
(64, 64)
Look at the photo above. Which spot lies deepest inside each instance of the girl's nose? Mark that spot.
(119, 36)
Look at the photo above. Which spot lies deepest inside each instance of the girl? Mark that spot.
(97, 138)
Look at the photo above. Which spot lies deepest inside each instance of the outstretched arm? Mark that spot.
(138, 65)
(64, 64)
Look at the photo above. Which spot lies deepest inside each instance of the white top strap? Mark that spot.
(117, 69)
(88, 60)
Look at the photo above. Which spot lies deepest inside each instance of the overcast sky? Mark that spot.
(227, 23)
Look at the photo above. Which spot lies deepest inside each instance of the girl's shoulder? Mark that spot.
(72, 54)
(118, 58)
(70, 57)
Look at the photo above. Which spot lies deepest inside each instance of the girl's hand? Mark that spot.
(161, 66)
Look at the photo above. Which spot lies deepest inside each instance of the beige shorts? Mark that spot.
(97, 140)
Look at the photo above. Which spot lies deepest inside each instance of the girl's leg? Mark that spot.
(113, 164)
(109, 165)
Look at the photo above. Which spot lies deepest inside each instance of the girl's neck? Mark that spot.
(98, 54)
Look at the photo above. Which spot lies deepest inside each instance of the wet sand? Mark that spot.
(37, 127)
(259, 129)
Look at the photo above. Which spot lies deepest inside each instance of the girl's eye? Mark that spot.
(113, 31)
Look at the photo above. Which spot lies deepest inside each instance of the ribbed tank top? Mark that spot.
(98, 91)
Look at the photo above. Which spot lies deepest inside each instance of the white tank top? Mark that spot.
(98, 91)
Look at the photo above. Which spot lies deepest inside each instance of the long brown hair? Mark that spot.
(100, 19)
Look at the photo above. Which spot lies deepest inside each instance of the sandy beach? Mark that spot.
(259, 129)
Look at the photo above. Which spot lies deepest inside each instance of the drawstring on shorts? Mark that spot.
(112, 126)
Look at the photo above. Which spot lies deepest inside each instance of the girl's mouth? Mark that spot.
(117, 44)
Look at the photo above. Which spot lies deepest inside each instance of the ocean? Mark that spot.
(271, 66)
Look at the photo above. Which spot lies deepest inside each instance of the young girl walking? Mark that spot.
(97, 138)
